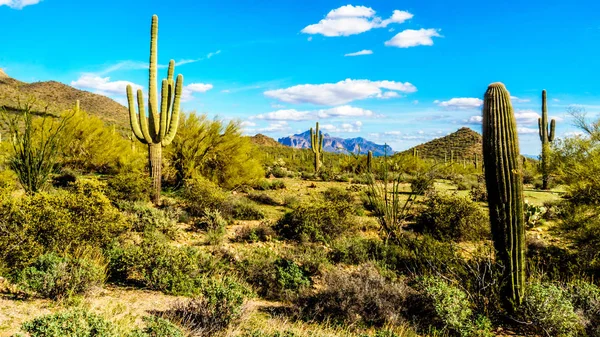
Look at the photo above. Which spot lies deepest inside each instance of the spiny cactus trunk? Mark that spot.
(155, 159)
(317, 162)
(503, 176)
(546, 136)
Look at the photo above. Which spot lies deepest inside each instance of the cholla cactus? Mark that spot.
(160, 126)
(546, 136)
(504, 182)
(316, 144)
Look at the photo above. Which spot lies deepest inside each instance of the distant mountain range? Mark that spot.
(336, 144)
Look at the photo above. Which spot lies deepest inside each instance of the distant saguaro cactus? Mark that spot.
(504, 182)
(370, 161)
(159, 128)
(476, 160)
(316, 144)
(546, 136)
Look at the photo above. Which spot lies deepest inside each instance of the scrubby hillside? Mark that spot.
(263, 140)
(464, 143)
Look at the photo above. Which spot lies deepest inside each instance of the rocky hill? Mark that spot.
(59, 97)
(465, 143)
(263, 140)
(335, 144)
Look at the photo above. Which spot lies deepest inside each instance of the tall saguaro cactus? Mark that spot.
(370, 161)
(160, 126)
(316, 144)
(546, 136)
(503, 177)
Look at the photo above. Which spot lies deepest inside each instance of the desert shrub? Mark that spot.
(215, 150)
(450, 217)
(129, 186)
(159, 266)
(50, 222)
(261, 233)
(201, 194)
(584, 193)
(361, 179)
(157, 327)
(291, 201)
(71, 323)
(585, 298)
(211, 220)
(263, 198)
(442, 305)
(220, 303)
(342, 178)
(266, 185)
(290, 276)
(360, 296)
(308, 176)
(548, 307)
(241, 208)
(581, 224)
(321, 221)
(421, 183)
(145, 218)
(54, 276)
(337, 194)
(478, 191)
(279, 172)
(65, 178)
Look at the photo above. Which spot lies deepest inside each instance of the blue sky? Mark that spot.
(420, 69)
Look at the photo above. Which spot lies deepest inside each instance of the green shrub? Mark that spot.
(550, 311)
(157, 327)
(360, 296)
(64, 179)
(241, 208)
(50, 222)
(265, 185)
(264, 232)
(478, 191)
(450, 217)
(55, 277)
(290, 276)
(337, 194)
(220, 303)
(71, 323)
(442, 305)
(263, 198)
(145, 218)
(211, 220)
(585, 298)
(159, 266)
(201, 194)
(129, 186)
(421, 184)
(321, 221)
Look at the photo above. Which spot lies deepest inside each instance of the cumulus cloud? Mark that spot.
(295, 115)
(526, 131)
(103, 85)
(412, 38)
(344, 127)
(516, 99)
(350, 20)
(359, 53)
(460, 103)
(275, 127)
(18, 4)
(187, 94)
(338, 93)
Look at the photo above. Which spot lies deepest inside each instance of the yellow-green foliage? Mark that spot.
(215, 150)
(56, 222)
(88, 144)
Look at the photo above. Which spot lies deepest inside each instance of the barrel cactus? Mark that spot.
(546, 136)
(160, 126)
(316, 144)
(503, 177)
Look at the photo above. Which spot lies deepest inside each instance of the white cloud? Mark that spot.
(295, 115)
(349, 20)
(18, 4)
(213, 54)
(338, 93)
(103, 85)
(190, 89)
(275, 127)
(412, 38)
(519, 100)
(309, 39)
(526, 131)
(246, 124)
(475, 120)
(556, 100)
(526, 117)
(344, 127)
(460, 103)
(359, 53)
(389, 94)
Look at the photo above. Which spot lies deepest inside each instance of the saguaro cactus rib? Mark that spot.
(160, 126)
(503, 173)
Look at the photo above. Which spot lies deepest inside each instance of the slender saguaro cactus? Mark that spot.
(504, 182)
(160, 126)
(316, 143)
(370, 161)
(452, 156)
(476, 160)
(546, 136)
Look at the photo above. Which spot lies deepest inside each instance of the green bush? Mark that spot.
(263, 198)
(549, 309)
(360, 296)
(241, 208)
(585, 298)
(337, 194)
(129, 186)
(264, 232)
(201, 194)
(159, 266)
(321, 221)
(421, 184)
(157, 327)
(50, 222)
(290, 276)
(220, 303)
(53, 276)
(71, 323)
(211, 220)
(265, 185)
(450, 217)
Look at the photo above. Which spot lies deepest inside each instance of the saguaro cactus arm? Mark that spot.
(174, 114)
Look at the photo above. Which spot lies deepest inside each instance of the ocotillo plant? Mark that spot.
(370, 161)
(546, 136)
(159, 128)
(316, 143)
(504, 182)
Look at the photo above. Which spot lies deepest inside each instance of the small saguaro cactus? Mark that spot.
(370, 161)
(476, 160)
(546, 136)
(452, 156)
(504, 182)
(316, 144)
(160, 126)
